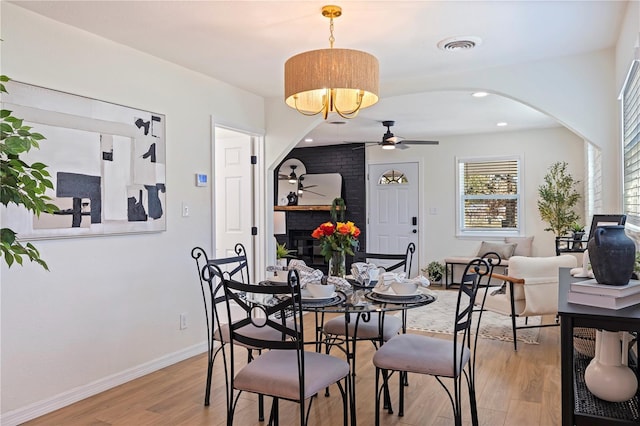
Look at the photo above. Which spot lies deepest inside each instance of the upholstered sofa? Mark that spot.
(509, 246)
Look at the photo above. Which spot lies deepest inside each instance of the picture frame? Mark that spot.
(107, 164)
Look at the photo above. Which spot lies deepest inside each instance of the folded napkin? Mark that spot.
(340, 283)
(275, 268)
(364, 272)
(389, 277)
(313, 277)
(300, 266)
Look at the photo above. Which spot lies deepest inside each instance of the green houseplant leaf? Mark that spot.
(21, 183)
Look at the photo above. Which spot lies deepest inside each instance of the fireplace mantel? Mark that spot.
(301, 208)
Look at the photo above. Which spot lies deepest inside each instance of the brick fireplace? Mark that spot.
(350, 163)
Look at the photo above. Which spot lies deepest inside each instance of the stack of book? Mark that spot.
(591, 293)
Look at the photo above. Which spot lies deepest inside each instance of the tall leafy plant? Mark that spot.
(21, 183)
(557, 199)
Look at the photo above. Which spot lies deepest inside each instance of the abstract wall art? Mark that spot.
(107, 165)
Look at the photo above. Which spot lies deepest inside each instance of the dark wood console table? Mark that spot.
(579, 406)
(570, 245)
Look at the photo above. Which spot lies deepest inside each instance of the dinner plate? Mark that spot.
(391, 294)
(307, 297)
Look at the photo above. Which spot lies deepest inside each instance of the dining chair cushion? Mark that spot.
(274, 373)
(366, 329)
(221, 333)
(419, 354)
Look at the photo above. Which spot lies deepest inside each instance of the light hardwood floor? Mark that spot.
(514, 388)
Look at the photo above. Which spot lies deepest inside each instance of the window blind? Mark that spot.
(631, 147)
(489, 195)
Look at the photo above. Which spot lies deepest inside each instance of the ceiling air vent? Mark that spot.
(459, 43)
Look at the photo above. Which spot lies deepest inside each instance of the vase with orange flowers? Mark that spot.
(336, 241)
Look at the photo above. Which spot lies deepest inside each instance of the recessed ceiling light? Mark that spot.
(479, 94)
(308, 139)
(501, 124)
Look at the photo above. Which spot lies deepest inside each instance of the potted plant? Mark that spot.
(557, 199)
(577, 230)
(282, 253)
(434, 271)
(21, 184)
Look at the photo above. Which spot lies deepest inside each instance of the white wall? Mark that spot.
(110, 305)
(538, 149)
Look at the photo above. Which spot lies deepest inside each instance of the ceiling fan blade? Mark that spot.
(310, 186)
(366, 145)
(400, 145)
(361, 141)
(313, 192)
(413, 142)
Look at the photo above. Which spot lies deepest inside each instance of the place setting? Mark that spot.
(396, 288)
(319, 295)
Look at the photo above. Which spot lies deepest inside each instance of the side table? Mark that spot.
(579, 406)
(570, 245)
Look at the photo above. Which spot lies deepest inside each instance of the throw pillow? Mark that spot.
(524, 245)
(504, 250)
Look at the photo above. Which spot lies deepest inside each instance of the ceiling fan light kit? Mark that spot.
(388, 145)
(292, 176)
(331, 80)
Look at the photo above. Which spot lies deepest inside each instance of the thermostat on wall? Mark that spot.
(201, 180)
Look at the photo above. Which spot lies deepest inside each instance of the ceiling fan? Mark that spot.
(302, 188)
(291, 177)
(390, 141)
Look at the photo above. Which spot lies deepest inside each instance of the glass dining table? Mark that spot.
(357, 303)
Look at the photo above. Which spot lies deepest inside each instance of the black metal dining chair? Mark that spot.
(286, 371)
(442, 358)
(369, 326)
(210, 276)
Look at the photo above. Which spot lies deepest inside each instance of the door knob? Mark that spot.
(415, 231)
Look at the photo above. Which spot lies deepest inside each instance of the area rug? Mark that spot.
(438, 318)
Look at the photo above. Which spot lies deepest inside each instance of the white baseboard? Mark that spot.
(40, 408)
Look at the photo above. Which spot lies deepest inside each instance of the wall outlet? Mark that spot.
(183, 321)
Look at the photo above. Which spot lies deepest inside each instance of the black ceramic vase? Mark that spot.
(612, 255)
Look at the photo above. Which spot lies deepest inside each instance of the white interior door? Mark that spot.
(233, 208)
(393, 209)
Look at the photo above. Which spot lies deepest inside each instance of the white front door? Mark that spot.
(393, 209)
(233, 208)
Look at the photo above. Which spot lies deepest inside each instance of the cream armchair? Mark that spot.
(530, 289)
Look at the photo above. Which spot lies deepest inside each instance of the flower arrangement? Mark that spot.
(339, 237)
(336, 241)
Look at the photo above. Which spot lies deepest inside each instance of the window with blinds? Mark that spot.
(489, 194)
(631, 147)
